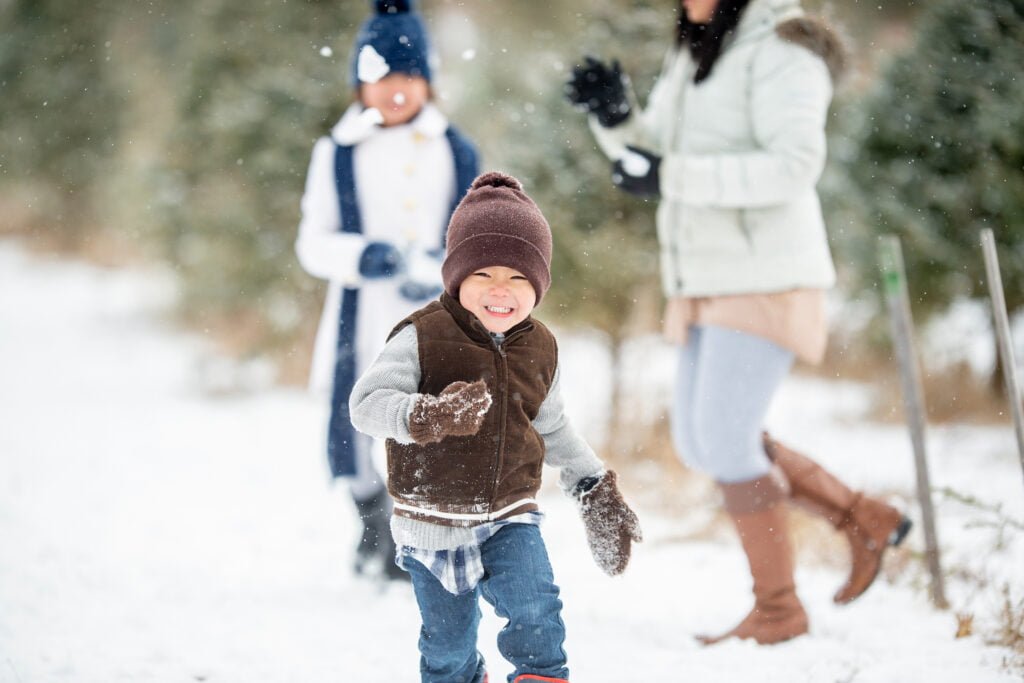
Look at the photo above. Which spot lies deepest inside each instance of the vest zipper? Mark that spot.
(503, 390)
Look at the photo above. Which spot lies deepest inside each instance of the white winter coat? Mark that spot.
(405, 182)
(742, 152)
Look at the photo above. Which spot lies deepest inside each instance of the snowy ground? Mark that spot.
(151, 530)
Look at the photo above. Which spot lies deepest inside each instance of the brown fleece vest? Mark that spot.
(468, 480)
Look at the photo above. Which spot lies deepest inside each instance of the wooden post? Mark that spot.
(898, 298)
(1002, 327)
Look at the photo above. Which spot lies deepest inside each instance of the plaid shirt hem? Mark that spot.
(460, 569)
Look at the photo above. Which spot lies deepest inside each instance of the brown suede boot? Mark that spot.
(869, 524)
(758, 510)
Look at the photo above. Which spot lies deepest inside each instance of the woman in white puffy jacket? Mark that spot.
(733, 142)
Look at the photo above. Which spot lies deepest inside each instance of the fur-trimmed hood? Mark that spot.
(818, 37)
(789, 21)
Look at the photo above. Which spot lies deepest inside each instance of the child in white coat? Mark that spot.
(379, 192)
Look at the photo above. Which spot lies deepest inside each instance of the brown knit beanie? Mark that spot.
(496, 224)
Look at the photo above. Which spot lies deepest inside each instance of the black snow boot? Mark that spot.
(376, 549)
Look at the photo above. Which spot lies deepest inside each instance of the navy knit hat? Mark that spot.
(393, 40)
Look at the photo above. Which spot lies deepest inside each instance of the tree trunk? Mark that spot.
(616, 426)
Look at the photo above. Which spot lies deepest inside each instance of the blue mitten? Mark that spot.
(418, 291)
(380, 260)
(422, 275)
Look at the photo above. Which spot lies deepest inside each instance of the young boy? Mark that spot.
(467, 394)
(379, 194)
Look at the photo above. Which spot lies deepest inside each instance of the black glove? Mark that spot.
(600, 90)
(637, 173)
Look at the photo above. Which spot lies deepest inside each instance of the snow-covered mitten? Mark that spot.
(457, 411)
(611, 526)
(637, 172)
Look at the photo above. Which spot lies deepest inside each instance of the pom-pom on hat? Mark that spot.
(497, 224)
(392, 40)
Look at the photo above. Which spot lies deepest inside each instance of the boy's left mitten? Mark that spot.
(458, 410)
(611, 526)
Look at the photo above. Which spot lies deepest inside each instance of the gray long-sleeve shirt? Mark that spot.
(383, 398)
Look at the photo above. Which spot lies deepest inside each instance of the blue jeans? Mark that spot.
(519, 583)
(725, 383)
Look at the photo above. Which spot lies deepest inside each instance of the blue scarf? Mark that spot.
(341, 436)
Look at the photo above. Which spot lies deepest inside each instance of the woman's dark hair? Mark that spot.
(705, 40)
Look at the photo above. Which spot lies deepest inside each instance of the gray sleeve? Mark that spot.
(383, 397)
(565, 448)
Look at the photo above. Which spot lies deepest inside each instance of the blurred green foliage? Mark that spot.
(185, 128)
(253, 88)
(513, 98)
(60, 116)
(938, 153)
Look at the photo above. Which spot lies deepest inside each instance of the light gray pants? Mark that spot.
(724, 384)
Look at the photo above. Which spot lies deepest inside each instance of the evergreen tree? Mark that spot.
(605, 246)
(59, 122)
(186, 127)
(605, 261)
(939, 154)
(254, 85)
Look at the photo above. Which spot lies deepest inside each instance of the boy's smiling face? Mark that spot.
(500, 297)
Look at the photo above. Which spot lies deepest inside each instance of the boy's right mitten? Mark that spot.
(458, 410)
(611, 526)
(600, 90)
